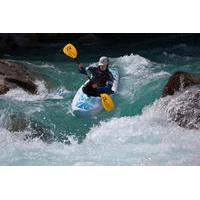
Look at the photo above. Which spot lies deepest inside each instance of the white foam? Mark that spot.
(43, 93)
(146, 139)
(183, 107)
(44, 65)
(47, 65)
(149, 135)
(136, 72)
(21, 95)
(58, 94)
(133, 64)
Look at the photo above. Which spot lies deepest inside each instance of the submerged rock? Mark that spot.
(14, 75)
(178, 81)
(32, 129)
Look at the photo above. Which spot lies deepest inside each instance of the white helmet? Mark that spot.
(104, 60)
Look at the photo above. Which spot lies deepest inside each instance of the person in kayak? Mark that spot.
(102, 79)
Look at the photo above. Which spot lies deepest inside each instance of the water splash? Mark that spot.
(19, 94)
(149, 138)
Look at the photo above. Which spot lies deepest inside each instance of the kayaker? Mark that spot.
(101, 80)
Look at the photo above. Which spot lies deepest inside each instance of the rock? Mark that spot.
(19, 124)
(14, 75)
(178, 81)
(16, 123)
(3, 89)
(184, 108)
(184, 104)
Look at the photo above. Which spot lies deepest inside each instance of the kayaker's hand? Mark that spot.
(81, 66)
(94, 85)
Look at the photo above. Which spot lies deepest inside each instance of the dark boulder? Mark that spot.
(14, 75)
(19, 123)
(3, 89)
(178, 81)
(184, 108)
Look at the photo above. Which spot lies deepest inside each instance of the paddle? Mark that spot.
(70, 51)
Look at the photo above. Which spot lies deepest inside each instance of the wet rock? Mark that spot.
(14, 75)
(178, 81)
(3, 89)
(39, 131)
(32, 129)
(20, 124)
(184, 104)
(184, 108)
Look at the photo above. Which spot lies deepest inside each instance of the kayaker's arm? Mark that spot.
(82, 69)
(88, 70)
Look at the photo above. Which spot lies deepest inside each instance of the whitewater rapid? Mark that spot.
(145, 137)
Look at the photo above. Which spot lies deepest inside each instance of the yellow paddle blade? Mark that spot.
(70, 50)
(107, 102)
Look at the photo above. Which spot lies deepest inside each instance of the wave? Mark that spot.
(33, 64)
(181, 58)
(149, 138)
(137, 74)
(133, 64)
(19, 94)
(146, 139)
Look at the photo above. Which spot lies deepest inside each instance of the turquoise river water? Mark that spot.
(137, 132)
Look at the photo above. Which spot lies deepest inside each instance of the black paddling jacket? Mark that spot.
(104, 79)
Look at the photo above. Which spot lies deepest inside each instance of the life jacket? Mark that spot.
(101, 78)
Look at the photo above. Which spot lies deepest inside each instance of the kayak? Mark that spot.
(85, 106)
